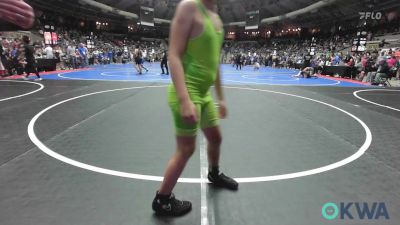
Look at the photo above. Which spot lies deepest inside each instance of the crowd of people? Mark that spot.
(72, 52)
(75, 50)
(369, 66)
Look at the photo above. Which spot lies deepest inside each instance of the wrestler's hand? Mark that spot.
(223, 112)
(189, 112)
(17, 12)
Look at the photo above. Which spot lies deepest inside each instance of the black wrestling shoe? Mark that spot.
(170, 206)
(223, 181)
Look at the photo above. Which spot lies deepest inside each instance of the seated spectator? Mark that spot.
(370, 70)
(337, 60)
(320, 66)
(381, 73)
(392, 62)
(398, 69)
(350, 63)
(360, 76)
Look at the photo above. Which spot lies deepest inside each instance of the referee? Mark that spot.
(30, 66)
(164, 63)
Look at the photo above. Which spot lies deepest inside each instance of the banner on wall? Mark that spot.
(252, 20)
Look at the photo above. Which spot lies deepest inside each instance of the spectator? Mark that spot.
(58, 53)
(71, 56)
(2, 68)
(83, 53)
(392, 62)
(49, 52)
(382, 72)
(398, 69)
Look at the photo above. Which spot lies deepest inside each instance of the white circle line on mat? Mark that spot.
(130, 74)
(79, 78)
(41, 87)
(374, 103)
(48, 151)
(278, 84)
(269, 79)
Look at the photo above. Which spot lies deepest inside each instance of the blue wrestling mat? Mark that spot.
(230, 76)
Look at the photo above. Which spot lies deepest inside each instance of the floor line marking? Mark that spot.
(61, 75)
(29, 93)
(203, 184)
(78, 78)
(130, 74)
(272, 78)
(374, 103)
(278, 84)
(351, 158)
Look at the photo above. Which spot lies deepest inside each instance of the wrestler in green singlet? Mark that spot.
(200, 64)
(195, 67)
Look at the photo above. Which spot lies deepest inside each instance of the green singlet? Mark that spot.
(200, 65)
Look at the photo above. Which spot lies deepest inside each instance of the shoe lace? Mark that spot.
(175, 201)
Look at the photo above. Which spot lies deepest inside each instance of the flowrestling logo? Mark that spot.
(355, 211)
(370, 15)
